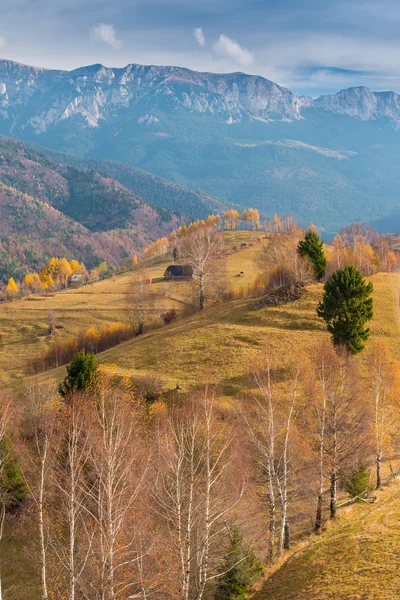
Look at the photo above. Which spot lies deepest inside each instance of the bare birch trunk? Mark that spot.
(282, 485)
(42, 536)
(321, 448)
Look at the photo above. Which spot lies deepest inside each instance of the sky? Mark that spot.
(312, 47)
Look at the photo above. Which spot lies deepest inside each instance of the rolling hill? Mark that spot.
(219, 346)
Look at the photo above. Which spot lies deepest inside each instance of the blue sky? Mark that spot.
(310, 46)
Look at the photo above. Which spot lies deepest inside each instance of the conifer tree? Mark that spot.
(241, 568)
(313, 247)
(346, 307)
(80, 373)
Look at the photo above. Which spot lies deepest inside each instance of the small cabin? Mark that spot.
(178, 272)
(76, 280)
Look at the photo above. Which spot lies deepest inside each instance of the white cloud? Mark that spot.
(226, 47)
(107, 34)
(3, 42)
(199, 35)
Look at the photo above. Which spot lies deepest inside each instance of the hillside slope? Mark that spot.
(49, 208)
(356, 558)
(153, 189)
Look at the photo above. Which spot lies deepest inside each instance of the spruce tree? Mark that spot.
(346, 307)
(313, 247)
(240, 569)
(80, 373)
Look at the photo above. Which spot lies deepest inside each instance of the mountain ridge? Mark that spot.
(240, 139)
(290, 105)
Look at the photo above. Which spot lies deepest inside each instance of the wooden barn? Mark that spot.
(178, 272)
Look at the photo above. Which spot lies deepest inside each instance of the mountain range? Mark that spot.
(231, 138)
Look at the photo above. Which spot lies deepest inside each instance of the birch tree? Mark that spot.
(119, 466)
(73, 551)
(44, 411)
(269, 425)
(262, 433)
(191, 495)
(385, 409)
(200, 250)
(5, 417)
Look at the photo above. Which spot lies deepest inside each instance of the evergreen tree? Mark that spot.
(240, 568)
(313, 247)
(346, 307)
(80, 373)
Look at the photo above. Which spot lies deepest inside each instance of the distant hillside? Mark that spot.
(153, 189)
(48, 208)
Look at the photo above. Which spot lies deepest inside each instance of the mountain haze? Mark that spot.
(239, 138)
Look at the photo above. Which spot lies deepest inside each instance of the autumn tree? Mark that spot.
(270, 425)
(119, 463)
(231, 218)
(383, 399)
(32, 283)
(11, 290)
(346, 307)
(44, 415)
(138, 299)
(200, 251)
(345, 419)
(196, 464)
(313, 247)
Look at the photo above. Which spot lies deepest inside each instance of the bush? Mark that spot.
(170, 316)
(358, 482)
(149, 388)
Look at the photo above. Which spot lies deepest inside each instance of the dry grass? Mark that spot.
(221, 344)
(357, 558)
(23, 323)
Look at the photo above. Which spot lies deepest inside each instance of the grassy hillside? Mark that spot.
(356, 558)
(219, 345)
(23, 323)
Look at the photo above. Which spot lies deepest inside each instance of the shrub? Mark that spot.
(358, 482)
(149, 388)
(170, 316)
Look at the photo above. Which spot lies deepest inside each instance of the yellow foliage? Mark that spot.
(11, 289)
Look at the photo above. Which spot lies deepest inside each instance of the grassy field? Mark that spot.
(357, 558)
(220, 344)
(23, 323)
